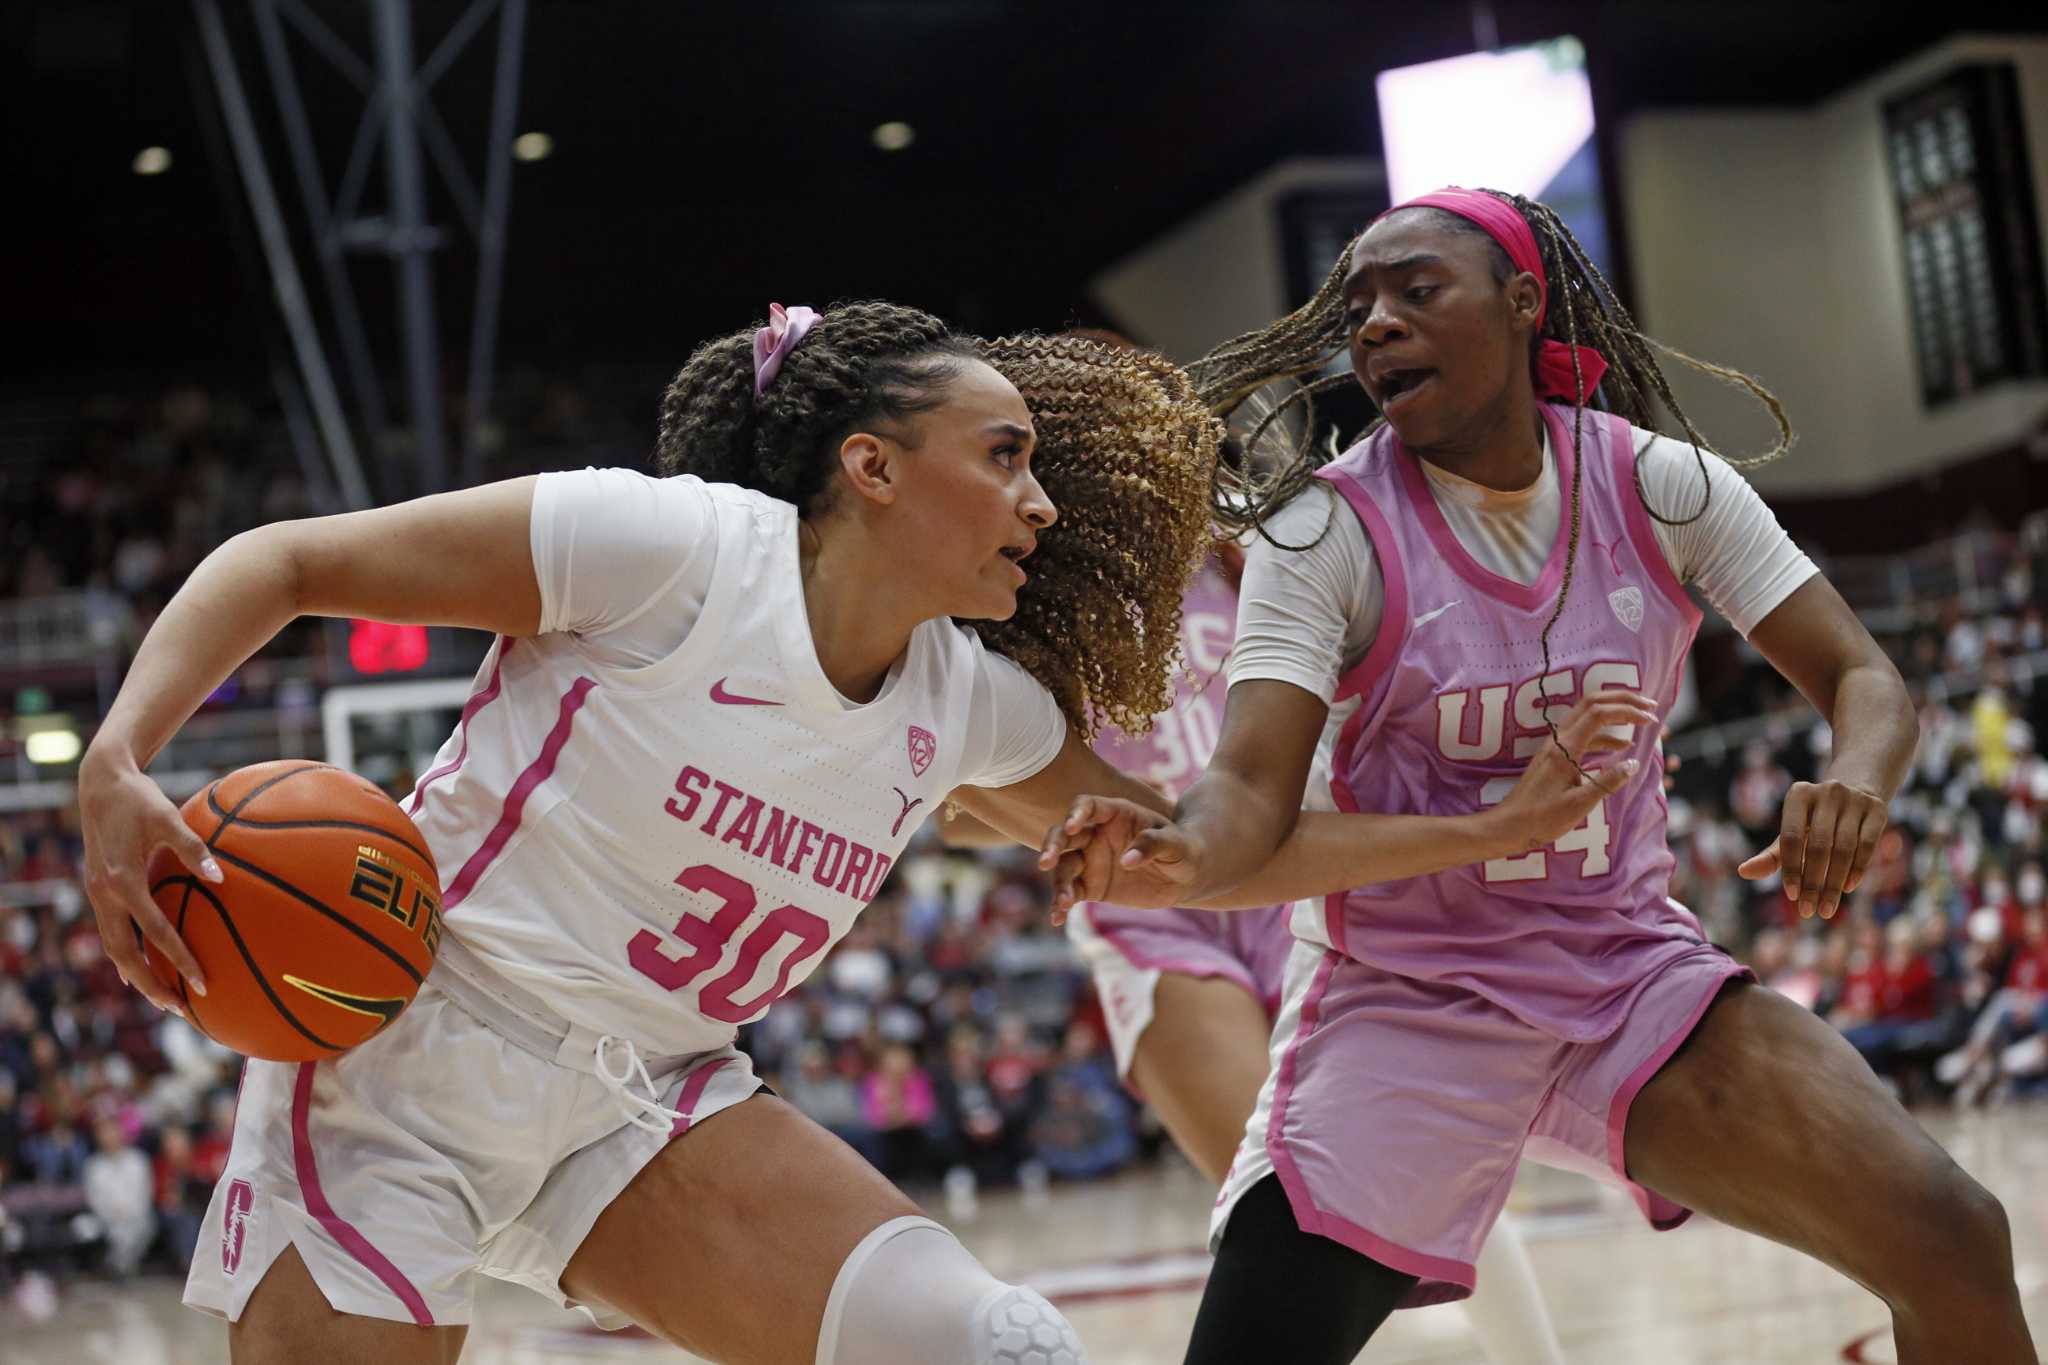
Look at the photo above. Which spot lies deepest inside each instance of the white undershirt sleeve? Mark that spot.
(1304, 616)
(1014, 727)
(609, 544)
(1736, 554)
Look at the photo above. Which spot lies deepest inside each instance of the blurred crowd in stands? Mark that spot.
(952, 1037)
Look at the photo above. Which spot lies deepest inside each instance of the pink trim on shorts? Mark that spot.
(537, 772)
(693, 1091)
(353, 1242)
(1312, 1219)
(1228, 970)
(478, 700)
(1527, 596)
(1617, 1111)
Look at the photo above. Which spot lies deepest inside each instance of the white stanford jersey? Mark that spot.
(659, 852)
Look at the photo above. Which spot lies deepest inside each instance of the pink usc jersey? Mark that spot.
(1453, 692)
(1182, 739)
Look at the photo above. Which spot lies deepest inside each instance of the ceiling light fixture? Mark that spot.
(893, 136)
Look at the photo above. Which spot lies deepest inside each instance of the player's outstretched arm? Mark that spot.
(1024, 811)
(1326, 853)
(1247, 801)
(1831, 827)
(462, 559)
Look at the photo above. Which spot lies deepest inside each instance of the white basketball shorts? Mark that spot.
(439, 1149)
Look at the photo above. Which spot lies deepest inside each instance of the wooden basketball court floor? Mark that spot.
(1123, 1257)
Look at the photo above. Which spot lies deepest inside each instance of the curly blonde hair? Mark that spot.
(1127, 451)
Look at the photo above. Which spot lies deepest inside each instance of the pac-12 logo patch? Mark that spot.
(1628, 606)
(235, 1224)
(923, 744)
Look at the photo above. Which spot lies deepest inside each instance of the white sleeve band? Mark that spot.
(1736, 553)
(1303, 616)
(1015, 726)
(609, 543)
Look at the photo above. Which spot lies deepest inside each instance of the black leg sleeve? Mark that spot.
(1280, 1294)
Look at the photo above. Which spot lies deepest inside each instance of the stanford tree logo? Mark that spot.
(235, 1225)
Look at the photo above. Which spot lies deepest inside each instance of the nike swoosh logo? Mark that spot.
(725, 698)
(386, 1008)
(1429, 616)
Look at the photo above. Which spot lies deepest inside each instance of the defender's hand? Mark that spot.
(1110, 849)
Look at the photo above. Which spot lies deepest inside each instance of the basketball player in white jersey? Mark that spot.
(717, 707)
(1498, 545)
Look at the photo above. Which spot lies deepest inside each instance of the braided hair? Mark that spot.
(1127, 452)
(865, 364)
(1583, 310)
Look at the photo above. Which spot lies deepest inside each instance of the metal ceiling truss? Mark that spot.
(400, 119)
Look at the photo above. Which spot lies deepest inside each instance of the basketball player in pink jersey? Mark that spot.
(717, 707)
(1494, 549)
(1189, 995)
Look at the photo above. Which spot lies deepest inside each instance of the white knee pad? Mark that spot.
(910, 1294)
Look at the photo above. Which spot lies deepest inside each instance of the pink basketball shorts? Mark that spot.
(1127, 951)
(1397, 1110)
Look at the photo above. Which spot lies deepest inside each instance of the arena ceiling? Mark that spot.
(713, 155)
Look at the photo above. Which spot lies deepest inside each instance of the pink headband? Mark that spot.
(773, 343)
(1507, 227)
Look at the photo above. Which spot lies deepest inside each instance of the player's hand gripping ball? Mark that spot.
(326, 921)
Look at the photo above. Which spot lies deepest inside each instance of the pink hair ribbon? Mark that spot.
(773, 343)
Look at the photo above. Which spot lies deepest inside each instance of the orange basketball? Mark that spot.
(325, 922)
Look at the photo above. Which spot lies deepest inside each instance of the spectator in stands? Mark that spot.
(1903, 996)
(1794, 965)
(1832, 972)
(1995, 735)
(831, 1100)
(120, 1192)
(1756, 794)
(897, 1104)
(1963, 646)
(1973, 1068)
(1889, 879)
(1084, 1132)
(1085, 1061)
(183, 1187)
(982, 1140)
(56, 1155)
(210, 1151)
(1014, 1066)
(11, 1130)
